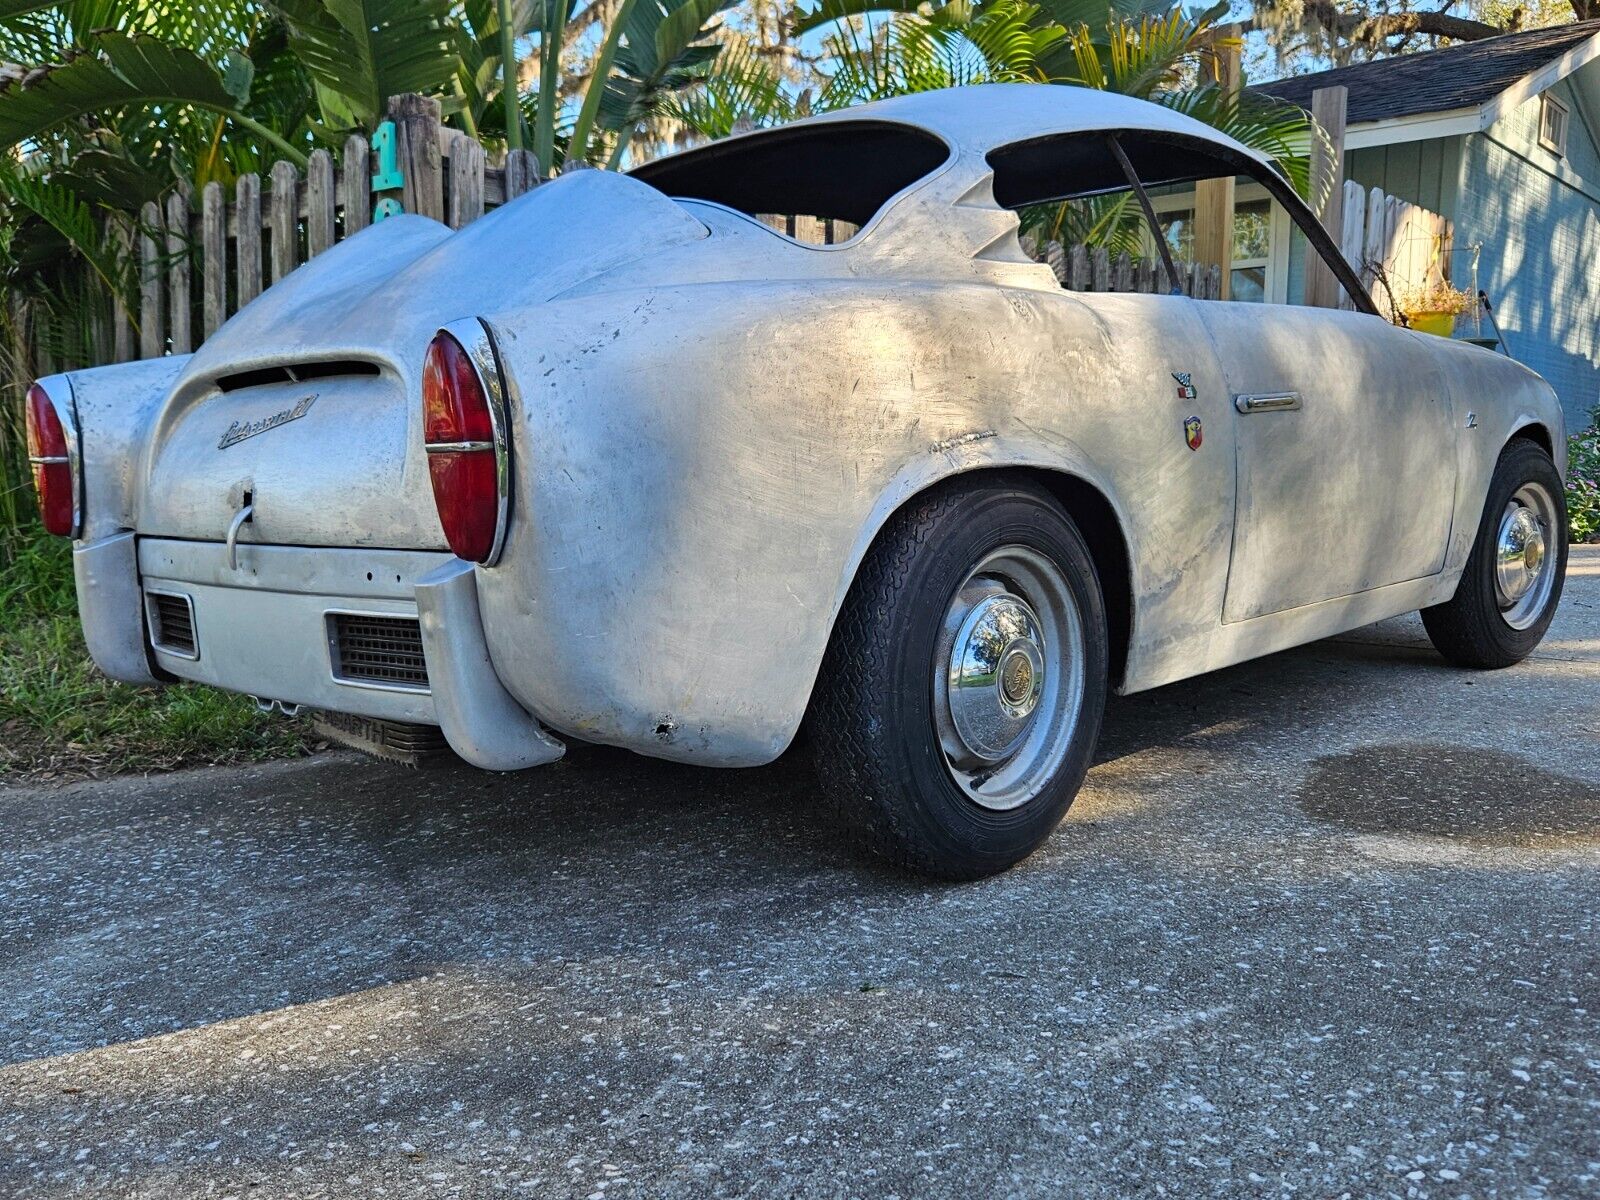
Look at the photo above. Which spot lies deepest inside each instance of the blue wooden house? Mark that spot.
(1502, 137)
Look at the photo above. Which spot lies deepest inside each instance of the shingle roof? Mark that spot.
(1439, 80)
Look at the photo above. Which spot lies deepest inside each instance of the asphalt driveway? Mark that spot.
(1326, 923)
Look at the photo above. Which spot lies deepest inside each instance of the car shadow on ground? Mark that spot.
(255, 890)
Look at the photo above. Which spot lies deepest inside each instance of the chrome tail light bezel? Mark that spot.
(58, 390)
(474, 336)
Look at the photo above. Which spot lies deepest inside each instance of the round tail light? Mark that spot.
(466, 451)
(50, 456)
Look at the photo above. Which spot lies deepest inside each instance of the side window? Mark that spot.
(1230, 230)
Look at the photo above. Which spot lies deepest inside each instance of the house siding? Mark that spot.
(1537, 220)
(1534, 221)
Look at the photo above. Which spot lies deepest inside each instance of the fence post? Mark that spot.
(247, 237)
(417, 127)
(152, 296)
(121, 320)
(1328, 107)
(355, 185)
(178, 271)
(1213, 198)
(522, 173)
(320, 200)
(285, 223)
(213, 258)
(466, 181)
(1355, 211)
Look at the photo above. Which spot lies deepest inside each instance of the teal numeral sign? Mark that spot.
(389, 175)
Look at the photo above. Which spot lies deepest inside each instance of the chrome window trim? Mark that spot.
(152, 623)
(330, 637)
(475, 338)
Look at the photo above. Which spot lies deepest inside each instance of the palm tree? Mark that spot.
(1143, 48)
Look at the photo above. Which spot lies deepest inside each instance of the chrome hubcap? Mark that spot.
(1523, 570)
(1008, 677)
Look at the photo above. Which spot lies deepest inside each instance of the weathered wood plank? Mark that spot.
(466, 182)
(1354, 226)
(121, 319)
(1078, 268)
(285, 229)
(178, 272)
(152, 283)
(320, 202)
(213, 258)
(1100, 269)
(1122, 273)
(521, 174)
(355, 184)
(417, 131)
(1055, 258)
(808, 230)
(247, 238)
(1328, 107)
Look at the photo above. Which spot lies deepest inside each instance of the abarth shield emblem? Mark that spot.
(1192, 433)
(1185, 385)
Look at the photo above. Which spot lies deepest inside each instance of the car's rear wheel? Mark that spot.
(1512, 582)
(961, 695)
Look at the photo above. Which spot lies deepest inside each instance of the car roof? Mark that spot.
(980, 117)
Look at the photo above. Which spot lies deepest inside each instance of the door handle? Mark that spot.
(1267, 402)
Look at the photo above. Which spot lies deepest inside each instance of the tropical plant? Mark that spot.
(1583, 481)
(1142, 48)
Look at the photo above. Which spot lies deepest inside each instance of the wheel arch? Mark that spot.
(1092, 511)
(1537, 433)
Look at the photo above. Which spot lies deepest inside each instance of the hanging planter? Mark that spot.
(1433, 306)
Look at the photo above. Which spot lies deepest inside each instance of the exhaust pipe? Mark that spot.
(282, 706)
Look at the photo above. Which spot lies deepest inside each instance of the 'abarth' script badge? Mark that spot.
(239, 430)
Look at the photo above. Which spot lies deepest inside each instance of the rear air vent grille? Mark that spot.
(295, 373)
(379, 651)
(171, 623)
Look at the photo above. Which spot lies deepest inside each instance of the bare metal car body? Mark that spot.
(708, 425)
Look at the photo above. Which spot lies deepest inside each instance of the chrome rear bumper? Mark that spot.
(273, 628)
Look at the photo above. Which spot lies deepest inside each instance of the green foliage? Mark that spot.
(59, 715)
(361, 52)
(1583, 481)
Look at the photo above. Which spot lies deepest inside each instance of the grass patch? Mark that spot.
(61, 718)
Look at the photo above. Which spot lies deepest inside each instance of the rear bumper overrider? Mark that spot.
(264, 629)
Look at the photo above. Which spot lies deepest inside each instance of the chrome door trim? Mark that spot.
(1256, 402)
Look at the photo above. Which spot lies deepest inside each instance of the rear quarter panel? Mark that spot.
(698, 470)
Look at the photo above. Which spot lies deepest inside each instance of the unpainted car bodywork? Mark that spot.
(710, 423)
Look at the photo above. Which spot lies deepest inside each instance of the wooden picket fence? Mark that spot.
(239, 245)
(234, 246)
(1393, 243)
(1082, 268)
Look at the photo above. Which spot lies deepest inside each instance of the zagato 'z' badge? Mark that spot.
(1185, 385)
(1192, 433)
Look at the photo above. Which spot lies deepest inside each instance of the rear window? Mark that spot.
(836, 170)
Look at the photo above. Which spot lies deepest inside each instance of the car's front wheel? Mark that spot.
(962, 692)
(1508, 592)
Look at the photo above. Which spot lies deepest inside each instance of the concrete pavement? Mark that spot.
(1324, 924)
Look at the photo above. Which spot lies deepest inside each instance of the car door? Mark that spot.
(1345, 454)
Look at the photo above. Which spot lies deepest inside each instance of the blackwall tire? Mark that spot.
(961, 695)
(1505, 601)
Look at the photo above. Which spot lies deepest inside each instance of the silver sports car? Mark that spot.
(621, 463)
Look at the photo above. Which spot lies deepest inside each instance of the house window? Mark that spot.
(1552, 124)
(1250, 278)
